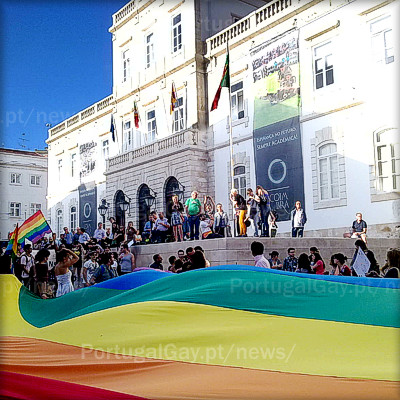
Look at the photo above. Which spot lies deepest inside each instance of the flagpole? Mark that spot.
(231, 143)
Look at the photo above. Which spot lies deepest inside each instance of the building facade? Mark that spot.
(307, 123)
(23, 182)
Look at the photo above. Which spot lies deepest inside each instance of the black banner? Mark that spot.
(279, 164)
(88, 207)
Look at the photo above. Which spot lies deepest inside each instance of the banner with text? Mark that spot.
(88, 207)
(276, 129)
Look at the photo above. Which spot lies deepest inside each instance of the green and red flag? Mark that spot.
(136, 115)
(225, 82)
(174, 98)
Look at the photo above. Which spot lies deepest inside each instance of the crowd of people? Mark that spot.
(86, 261)
(313, 263)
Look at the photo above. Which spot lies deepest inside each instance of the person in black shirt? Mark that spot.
(157, 262)
(359, 228)
(240, 204)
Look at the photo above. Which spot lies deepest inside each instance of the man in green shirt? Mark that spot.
(193, 210)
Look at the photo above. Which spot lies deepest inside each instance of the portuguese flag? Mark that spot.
(225, 82)
(136, 115)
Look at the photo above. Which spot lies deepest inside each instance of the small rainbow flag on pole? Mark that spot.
(34, 228)
(12, 244)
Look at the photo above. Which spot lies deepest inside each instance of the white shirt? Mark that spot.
(90, 268)
(27, 262)
(261, 261)
(297, 219)
(204, 227)
(99, 234)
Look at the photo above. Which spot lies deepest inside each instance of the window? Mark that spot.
(106, 150)
(35, 207)
(73, 165)
(179, 115)
(15, 209)
(387, 160)
(151, 126)
(328, 172)
(237, 101)
(382, 41)
(15, 178)
(35, 180)
(239, 180)
(323, 65)
(149, 50)
(59, 217)
(126, 69)
(73, 218)
(128, 139)
(59, 169)
(176, 33)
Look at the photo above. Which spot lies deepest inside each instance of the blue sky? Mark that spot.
(56, 61)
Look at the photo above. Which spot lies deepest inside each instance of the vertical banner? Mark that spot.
(88, 207)
(276, 130)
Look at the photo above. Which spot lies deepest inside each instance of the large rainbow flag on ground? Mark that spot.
(227, 332)
(34, 228)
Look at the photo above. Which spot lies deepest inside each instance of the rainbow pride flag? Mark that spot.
(12, 244)
(228, 332)
(34, 228)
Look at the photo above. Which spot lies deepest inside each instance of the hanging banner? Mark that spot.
(88, 207)
(276, 130)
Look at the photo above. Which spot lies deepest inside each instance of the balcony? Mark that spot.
(93, 111)
(253, 22)
(161, 148)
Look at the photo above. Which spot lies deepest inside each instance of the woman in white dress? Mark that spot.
(65, 259)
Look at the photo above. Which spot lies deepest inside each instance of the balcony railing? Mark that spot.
(123, 12)
(254, 21)
(88, 112)
(161, 147)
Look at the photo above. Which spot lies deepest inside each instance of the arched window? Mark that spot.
(144, 209)
(73, 218)
(239, 179)
(328, 172)
(119, 212)
(59, 218)
(387, 160)
(171, 188)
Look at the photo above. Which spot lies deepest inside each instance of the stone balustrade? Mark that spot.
(91, 111)
(253, 22)
(123, 12)
(161, 147)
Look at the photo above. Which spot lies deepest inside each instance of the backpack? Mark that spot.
(275, 215)
(17, 268)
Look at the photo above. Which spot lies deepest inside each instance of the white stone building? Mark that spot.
(78, 149)
(155, 44)
(23, 186)
(341, 152)
(348, 119)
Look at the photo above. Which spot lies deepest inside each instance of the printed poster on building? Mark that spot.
(276, 130)
(88, 207)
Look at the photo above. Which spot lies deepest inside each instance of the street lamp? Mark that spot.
(103, 208)
(180, 190)
(125, 204)
(150, 198)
